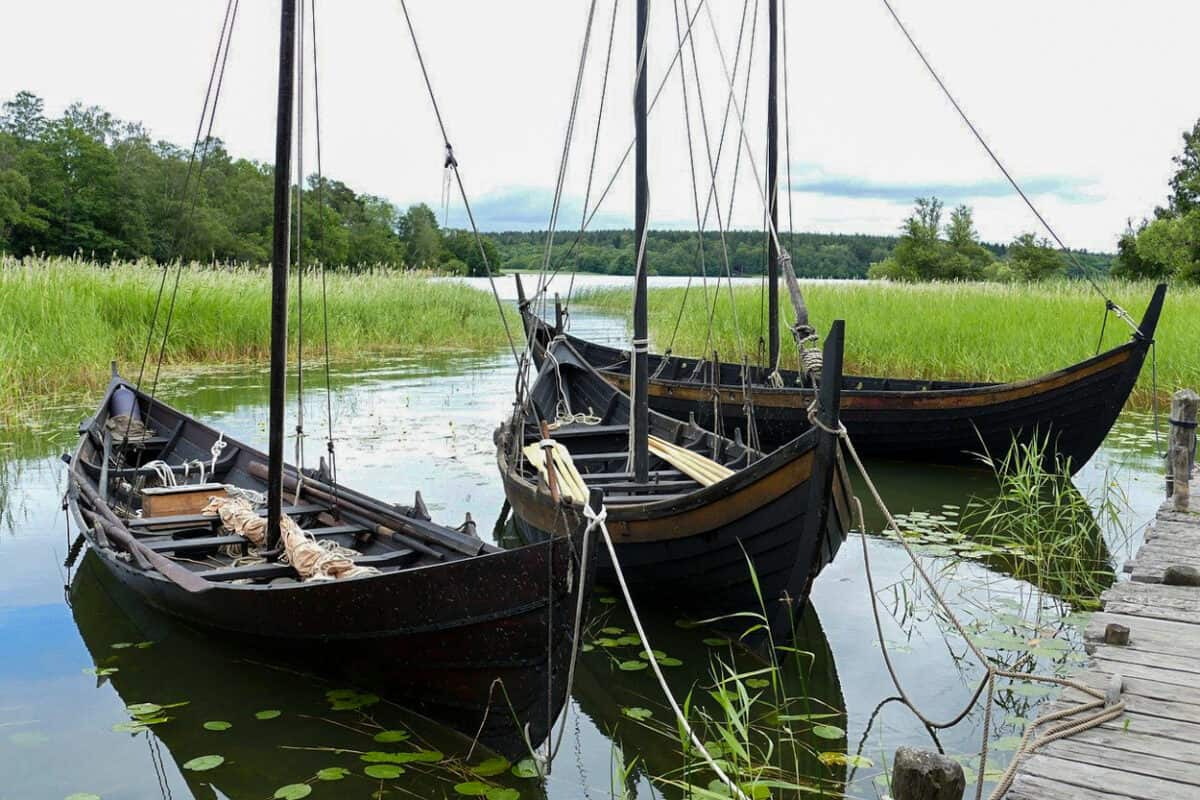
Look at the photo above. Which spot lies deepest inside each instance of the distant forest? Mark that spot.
(87, 183)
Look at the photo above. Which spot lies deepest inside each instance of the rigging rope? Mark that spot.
(1000, 165)
(299, 457)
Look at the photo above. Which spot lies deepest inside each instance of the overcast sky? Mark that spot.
(1085, 100)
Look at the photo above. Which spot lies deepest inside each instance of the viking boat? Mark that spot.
(938, 421)
(195, 523)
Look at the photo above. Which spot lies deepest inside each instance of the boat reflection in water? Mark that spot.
(320, 723)
(800, 741)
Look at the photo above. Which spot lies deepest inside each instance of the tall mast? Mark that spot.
(772, 180)
(641, 416)
(280, 252)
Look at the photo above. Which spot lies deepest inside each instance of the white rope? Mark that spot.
(595, 518)
(166, 476)
(219, 445)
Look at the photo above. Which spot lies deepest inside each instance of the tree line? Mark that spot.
(90, 184)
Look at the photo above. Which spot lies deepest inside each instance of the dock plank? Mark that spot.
(1099, 778)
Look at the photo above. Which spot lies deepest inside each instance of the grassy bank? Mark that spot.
(967, 330)
(63, 320)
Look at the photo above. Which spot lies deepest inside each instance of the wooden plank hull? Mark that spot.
(932, 421)
(435, 636)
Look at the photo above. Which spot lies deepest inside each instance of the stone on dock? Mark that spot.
(1181, 575)
(925, 775)
(1116, 634)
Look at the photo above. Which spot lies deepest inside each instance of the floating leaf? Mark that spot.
(668, 661)
(502, 793)
(608, 601)
(332, 773)
(606, 642)
(612, 631)
(270, 713)
(587, 648)
(293, 791)
(100, 672)
(713, 641)
(686, 624)
(341, 694)
(828, 731)
(143, 709)
(490, 767)
(658, 654)
(845, 759)
(204, 763)
(143, 645)
(637, 713)
(129, 727)
(632, 666)
(387, 737)
(384, 771)
(217, 725)
(121, 645)
(629, 640)
(526, 768)
(473, 788)
(757, 683)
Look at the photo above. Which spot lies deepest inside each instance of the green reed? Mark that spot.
(62, 320)
(971, 331)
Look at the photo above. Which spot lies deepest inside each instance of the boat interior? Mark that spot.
(159, 481)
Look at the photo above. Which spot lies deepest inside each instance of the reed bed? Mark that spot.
(975, 331)
(63, 320)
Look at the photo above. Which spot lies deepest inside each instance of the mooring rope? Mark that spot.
(1107, 712)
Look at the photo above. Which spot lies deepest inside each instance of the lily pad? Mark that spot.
(121, 645)
(608, 601)
(293, 791)
(612, 631)
(757, 683)
(270, 713)
(828, 731)
(632, 666)
(502, 793)
(204, 763)
(217, 725)
(100, 672)
(713, 641)
(143, 709)
(473, 788)
(384, 772)
(526, 768)
(668, 661)
(637, 713)
(490, 767)
(332, 773)
(387, 737)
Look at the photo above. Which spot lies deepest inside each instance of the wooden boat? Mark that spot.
(446, 615)
(679, 542)
(948, 422)
(432, 613)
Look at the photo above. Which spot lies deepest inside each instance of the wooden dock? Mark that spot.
(1152, 752)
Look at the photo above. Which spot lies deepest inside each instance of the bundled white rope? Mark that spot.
(598, 519)
(166, 475)
(313, 560)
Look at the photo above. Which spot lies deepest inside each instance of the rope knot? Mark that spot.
(451, 161)
(595, 519)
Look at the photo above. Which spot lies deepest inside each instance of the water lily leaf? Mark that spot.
(100, 672)
(143, 645)
(604, 641)
(270, 713)
(1030, 689)
(387, 737)
(384, 772)
(121, 645)
(217, 725)
(490, 767)
(332, 773)
(668, 661)
(613, 631)
(713, 641)
(686, 624)
(629, 640)
(341, 694)
(587, 648)
(632, 666)
(828, 731)
(658, 654)
(129, 727)
(502, 793)
(637, 713)
(757, 683)
(143, 709)
(526, 768)
(844, 759)
(473, 788)
(204, 763)
(293, 791)
(608, 601)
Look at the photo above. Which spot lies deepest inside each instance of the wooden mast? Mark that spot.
(641, 417)
(280, 252)
(773, 181)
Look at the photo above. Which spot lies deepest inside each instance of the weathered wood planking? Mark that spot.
(1153, 750)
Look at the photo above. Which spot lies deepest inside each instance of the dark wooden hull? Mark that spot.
(435, 635)
(947, 422)
(694, 550)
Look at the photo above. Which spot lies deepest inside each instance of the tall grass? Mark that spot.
(63, 320)
(991, 332)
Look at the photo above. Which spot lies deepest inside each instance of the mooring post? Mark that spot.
(1181, 447)
(926, 775)
(558, 314)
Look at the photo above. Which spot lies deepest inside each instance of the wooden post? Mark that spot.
(1181, 444)
(548, 449)
(925, 775)
(558, 314)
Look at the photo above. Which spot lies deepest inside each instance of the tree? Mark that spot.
(1031, 259)
(1185, 183)
(974, 259)
(464, 247)
(423, 240)
(1173, 243)
(1130, 264)
(23, 117)
(920, 254)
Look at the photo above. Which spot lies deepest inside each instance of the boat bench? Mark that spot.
(257, 571)
(194, 520)
(209, 542)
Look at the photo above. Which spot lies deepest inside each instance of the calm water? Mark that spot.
(427, 422)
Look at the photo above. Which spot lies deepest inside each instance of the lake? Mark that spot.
(75, 651)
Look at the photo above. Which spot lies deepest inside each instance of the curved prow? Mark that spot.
(1145, 331)
(829, 397)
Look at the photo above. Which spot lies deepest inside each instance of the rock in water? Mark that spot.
(924, 775)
